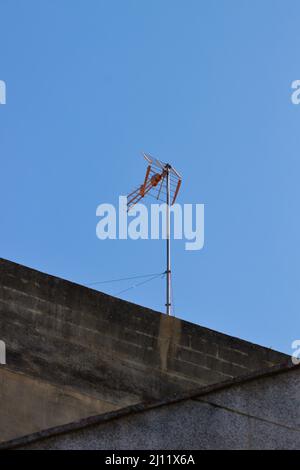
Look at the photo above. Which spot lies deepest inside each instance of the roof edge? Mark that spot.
(146, 406)
(145, 308)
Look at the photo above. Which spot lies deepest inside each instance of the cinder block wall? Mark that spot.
(77, 337)
(68, 340)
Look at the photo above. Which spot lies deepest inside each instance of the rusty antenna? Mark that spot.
(162, 182)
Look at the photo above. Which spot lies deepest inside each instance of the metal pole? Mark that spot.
(168, 271)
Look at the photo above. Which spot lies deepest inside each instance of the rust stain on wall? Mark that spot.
(168, 338)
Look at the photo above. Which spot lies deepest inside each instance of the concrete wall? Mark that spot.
(260, 414)
(28, 405)
(114, 351)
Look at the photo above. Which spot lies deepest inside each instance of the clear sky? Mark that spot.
(203, 84)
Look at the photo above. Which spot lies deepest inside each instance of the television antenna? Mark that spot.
(162, 182)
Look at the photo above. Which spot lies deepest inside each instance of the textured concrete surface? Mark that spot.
(262, 412)
(113, 351)
(31, 404)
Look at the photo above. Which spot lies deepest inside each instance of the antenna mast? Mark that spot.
(168, 223)
(151, 186)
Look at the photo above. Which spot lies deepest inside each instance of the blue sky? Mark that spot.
(203, 84)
